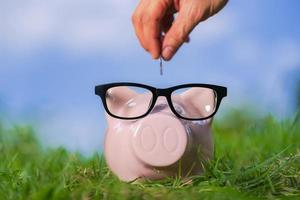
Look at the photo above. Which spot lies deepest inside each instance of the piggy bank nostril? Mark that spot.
(170, 140)
(148, 138)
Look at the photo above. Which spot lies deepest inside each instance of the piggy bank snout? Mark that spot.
(159, 140)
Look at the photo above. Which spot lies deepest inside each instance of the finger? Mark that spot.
(175, 37)
(140, 35)
(152, 33)
(152, 25)
(189, 16)
(167, 22)
(138, 24)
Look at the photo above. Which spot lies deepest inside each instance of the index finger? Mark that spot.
(152, 25)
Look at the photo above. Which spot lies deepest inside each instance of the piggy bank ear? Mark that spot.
(118, 97)
(198, 102)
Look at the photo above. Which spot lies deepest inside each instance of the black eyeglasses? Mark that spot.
(131, 101)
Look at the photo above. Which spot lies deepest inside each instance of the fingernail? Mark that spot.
(168, 52)
(155, 57)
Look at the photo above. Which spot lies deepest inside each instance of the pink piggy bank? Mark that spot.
(154, 133)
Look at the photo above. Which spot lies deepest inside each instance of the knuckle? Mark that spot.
(149, 18)
(146, 19)
(135, 18)
(180, 37)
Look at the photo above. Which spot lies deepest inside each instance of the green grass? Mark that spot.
(254, 158)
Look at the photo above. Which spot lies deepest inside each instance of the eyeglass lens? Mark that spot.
(128, 101)
(194, 102)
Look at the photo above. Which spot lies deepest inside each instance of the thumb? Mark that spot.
(176, 36)
(191, 12)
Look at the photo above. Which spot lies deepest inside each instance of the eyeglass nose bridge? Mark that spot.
(162, 102)
(164, 93)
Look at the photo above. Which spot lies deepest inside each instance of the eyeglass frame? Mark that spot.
(101, 90)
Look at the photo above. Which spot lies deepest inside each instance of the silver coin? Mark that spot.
(161, 66)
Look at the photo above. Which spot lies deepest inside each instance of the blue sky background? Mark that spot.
(53, 53)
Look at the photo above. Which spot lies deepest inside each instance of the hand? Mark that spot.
(160, 33)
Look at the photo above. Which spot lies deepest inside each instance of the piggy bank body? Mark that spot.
(159, 144)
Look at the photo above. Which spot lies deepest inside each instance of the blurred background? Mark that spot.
(53, 53)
